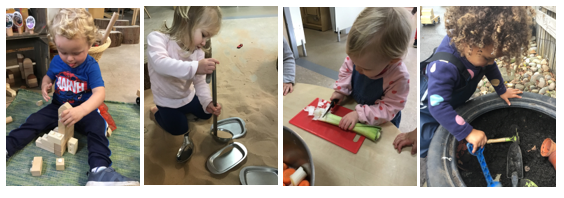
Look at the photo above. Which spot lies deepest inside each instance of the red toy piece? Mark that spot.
(240, 46)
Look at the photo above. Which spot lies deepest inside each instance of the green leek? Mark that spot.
(368, 131)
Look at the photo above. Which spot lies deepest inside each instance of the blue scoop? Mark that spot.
(480, 155)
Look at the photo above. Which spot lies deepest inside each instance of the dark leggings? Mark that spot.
(174, 121)
(92, 125)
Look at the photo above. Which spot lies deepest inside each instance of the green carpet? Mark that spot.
(124, 144)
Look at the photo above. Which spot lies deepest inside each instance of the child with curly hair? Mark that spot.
(476, 36)
(79, 82)
(177, 69)
(374, 73)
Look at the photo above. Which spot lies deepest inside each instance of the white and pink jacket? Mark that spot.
(395, 90)
(173, 73)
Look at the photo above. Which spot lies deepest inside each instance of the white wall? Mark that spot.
(344, 17)
(296, 17)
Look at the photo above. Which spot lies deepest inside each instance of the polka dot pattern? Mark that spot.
(460, 120)
(381, 108)
(402, 101)
(436, 99)
(471, 73)
(339, 87)
(434, 67)
(495, 82)
(391, 82)
(394, 91)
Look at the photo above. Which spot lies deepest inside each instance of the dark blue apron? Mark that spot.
(367, 91)
(427, 124)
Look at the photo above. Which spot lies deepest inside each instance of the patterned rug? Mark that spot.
(124, 144)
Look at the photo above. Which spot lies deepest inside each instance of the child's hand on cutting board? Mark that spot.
(348, 121)
(214, 110)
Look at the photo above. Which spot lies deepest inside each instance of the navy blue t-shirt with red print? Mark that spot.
(74, 85)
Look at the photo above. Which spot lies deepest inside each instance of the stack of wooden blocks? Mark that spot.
(60, 138)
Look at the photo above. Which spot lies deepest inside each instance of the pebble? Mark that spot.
(552, 86)
(541, 83)
(543, 90)
(519, 86)
(535, 91)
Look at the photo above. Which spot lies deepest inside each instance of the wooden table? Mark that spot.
(375, 164)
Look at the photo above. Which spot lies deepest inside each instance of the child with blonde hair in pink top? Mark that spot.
(374, 73)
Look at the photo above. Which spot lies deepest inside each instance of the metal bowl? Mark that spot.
(296, 154)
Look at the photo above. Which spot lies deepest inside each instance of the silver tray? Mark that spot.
(235, 126)
(226, 158)
(259, 175)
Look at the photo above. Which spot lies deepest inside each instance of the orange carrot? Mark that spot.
(304, 183)
(285, 166)
(286, 175)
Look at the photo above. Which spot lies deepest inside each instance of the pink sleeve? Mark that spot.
(396, 89)
(343, 84)
(163, 63)
(202, 88)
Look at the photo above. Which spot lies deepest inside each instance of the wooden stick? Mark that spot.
(498, 140)
(109, 28)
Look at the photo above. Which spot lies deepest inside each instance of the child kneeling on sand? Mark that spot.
(177, 69)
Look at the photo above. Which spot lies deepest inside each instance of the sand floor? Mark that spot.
(247, 88)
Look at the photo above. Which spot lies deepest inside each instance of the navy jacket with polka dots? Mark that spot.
(444, 79)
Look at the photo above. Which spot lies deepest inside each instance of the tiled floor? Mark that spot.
(323, 50)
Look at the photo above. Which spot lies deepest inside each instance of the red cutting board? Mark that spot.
(329, 132)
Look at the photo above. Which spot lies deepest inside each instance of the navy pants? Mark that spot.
(174, 121)
(92, 125)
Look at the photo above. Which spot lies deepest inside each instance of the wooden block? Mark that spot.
(68, 131)
(116, 38)
(55, 138)
(60, 163)
(39, 103)
(31, 81)
(10, 78)
(37, 166)
(138, 93)
(9, 119)
(130, 34)
(27, 67)
(11, 93)
(72, 145)
(109, 132)
(56, 129)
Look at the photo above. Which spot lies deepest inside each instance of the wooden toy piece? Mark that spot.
(138, 93)
(20, 62)
(9, 91)
(37, 166)
(59, 150)
(109, 132)
(42, 142)
(67, 131)
(56, 129)
(10, 78)
(9, 119)
(39, 103)
(55, 138)
(27, 67)
(72, 145)
(31, 81)
(60, 163)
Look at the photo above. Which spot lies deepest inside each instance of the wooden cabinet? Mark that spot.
(317, 18)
